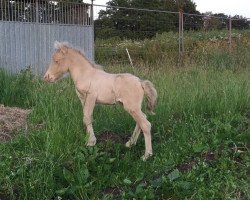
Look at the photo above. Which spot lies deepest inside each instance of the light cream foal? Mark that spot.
(94, 85)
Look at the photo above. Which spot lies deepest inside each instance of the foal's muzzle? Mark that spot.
(49, 78)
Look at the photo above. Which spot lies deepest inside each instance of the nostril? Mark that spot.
(46, 77)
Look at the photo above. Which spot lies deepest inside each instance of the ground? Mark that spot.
(12, 119)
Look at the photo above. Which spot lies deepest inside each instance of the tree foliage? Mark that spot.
(139, 24)
(219, 21)
(135, 24)
(239, 22)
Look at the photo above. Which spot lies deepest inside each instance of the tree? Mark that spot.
(239, 22)
(193, 21)
(141, 24)
(217, 21)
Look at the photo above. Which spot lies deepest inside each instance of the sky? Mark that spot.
(228, 7)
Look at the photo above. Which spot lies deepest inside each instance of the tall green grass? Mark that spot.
(199, 112)
(207, 49)
(18, 89)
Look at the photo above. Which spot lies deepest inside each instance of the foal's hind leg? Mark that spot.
(134, 136)
(145, 126)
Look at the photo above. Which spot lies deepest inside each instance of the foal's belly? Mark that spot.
(105, 96)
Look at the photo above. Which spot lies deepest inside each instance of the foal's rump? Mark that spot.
(130, 91)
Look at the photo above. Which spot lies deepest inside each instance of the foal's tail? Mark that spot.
(151, 95)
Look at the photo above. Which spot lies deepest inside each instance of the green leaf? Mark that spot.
(68, 175)
(140, 188)
(127, 181)
(198, 148)
(174, 175)
(185, 185)
(157, 182)
(83, 175)
(61, 191)
(112, 160)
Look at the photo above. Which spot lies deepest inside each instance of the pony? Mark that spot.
(94, 85)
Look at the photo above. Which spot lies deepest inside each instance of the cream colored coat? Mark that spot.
(94, 85)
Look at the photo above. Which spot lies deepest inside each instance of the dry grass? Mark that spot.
(11, 120)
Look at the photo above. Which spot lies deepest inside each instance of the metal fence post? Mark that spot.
(37, 12)
(93, 29)
(182, 31)
(181, 42)
(179, 35)
(230, 34)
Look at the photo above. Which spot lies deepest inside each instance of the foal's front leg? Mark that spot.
(87, 118)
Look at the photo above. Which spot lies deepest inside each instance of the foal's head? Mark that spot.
(59, 64)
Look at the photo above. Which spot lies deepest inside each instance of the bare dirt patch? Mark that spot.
(113, 137)
(12, 119)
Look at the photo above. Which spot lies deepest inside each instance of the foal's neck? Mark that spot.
(80, 67)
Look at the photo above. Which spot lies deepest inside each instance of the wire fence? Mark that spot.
(133, 36)
(122, 35)
(45, 11)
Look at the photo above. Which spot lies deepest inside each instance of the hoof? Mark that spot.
(146, 156)
(128, 144)
(91, 142)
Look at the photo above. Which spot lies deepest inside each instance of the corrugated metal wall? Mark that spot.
(31, 44)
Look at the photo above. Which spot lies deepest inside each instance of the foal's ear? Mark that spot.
(61, 46)
(57, 45)
(64, 49)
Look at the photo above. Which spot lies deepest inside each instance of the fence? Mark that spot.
(29, 28)
(133, 36)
